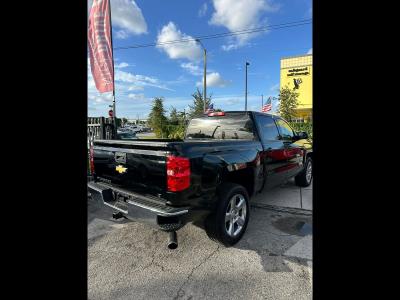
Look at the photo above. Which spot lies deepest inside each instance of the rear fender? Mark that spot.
(232, 167)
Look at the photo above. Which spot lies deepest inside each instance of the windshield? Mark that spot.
(238, 126)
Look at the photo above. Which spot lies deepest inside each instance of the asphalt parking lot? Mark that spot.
(129, 260)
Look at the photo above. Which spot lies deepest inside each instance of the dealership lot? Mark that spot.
(287, 195)
(129, 260)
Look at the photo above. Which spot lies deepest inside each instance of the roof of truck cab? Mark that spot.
(250, 111)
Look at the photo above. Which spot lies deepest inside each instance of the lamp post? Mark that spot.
(245, 94)
(205, 73)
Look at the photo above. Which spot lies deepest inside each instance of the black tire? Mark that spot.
(215, 224)
(301, 178)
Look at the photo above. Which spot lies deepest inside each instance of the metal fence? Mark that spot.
(99, 128)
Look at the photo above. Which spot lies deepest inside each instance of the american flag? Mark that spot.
(210, 109)
(267, 106)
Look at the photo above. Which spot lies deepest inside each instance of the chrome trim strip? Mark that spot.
(117, 208)
(135, 151)
(96, 187)
(162, 213)
(136, 142)
(155, 210)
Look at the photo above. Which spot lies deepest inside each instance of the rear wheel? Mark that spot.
(229, 222)
(304, 178)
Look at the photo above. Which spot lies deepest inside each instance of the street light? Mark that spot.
(245, 95)
(205, 72)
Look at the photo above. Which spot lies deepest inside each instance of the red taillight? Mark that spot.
(178, 173)
(219, 113)
(91, 160)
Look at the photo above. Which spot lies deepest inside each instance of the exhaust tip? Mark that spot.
(172, 246)
(173, 240)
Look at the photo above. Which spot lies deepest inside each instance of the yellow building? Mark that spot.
(296, 73)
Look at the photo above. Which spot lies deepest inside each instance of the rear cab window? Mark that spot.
(237, 126)
(267, 127)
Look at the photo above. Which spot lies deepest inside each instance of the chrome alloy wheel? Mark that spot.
(309, 172)
(235, 216)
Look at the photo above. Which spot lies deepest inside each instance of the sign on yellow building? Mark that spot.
(296, 73)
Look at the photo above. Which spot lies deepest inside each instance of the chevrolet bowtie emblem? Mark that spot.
(121, 169)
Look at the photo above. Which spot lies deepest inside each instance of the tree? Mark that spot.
(173, 116)
(118, 122)
(197, 109)
(157, 119)
(124, 121)
(288, 101)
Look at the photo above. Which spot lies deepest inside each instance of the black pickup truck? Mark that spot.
(207, 178)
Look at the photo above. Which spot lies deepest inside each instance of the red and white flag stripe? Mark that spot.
(100, 49)
(266, 107)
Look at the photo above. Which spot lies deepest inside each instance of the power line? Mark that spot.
(224, 34)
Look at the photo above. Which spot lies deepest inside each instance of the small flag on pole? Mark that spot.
(210, 109)
(99, 42)
(267, 106)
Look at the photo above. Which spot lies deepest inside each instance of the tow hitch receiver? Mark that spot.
(118, 215)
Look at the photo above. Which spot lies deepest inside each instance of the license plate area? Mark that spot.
(120, 157)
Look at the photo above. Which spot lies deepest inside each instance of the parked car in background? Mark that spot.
(124, 129)
(208, 178)
(126, 135)
(133, 128)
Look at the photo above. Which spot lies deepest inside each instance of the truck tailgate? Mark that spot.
(133, 165)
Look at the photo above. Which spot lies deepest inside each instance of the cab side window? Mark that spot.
(268, 130)
(284, 129)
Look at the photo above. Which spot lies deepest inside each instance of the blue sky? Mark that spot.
(174, 71)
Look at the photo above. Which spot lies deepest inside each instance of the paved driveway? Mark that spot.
(287, 195)
(129, 260)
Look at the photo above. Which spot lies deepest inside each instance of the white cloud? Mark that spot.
(136, 96)
(101, 98)
(192, 68)
(203, 10)
(121, 34)
(229, 47)
(240, 15)
(190, 50)
(127, 16)
(131, 78)
(214, 80)
(141, 80)
(274, 88)
(135, 88)
(232, 101)
(309, 51)
(121, 65)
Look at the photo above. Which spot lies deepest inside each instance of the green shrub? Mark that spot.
(307, 127)
(175, 131)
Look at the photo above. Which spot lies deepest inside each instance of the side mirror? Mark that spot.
(302, 135)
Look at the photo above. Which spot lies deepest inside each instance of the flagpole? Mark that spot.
(262, 101)
(112, 53)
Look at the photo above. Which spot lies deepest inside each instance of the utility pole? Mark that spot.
(204, 75)
(245, 95)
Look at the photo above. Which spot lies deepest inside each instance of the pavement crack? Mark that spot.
(153, 257)
(180, 293)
